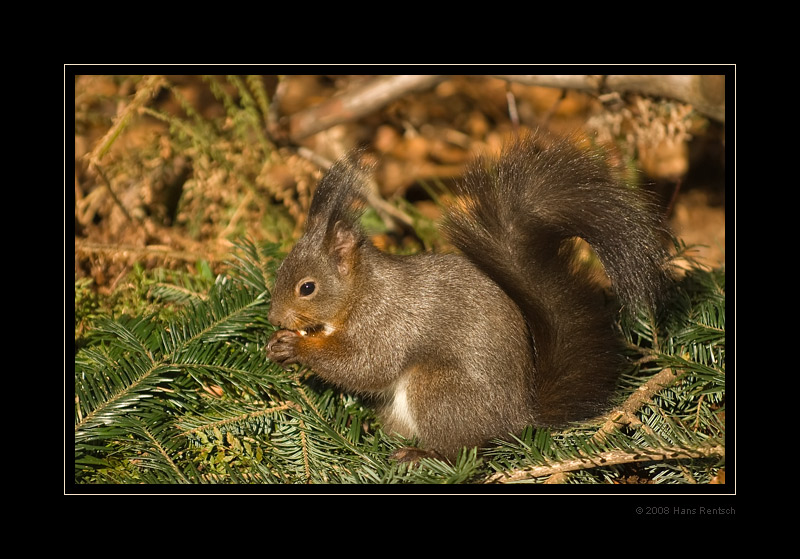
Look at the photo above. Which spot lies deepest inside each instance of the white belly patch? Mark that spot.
(401, 420)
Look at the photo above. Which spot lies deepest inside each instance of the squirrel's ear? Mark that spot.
(344, 242)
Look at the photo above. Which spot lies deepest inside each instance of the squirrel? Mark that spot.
(459, 348)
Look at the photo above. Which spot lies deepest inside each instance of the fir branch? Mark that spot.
(158, 456)
(625, 414)
(176, 293)
(610, 458)
(142, 354)
(239, 418)
(193, 400)
(304, 448)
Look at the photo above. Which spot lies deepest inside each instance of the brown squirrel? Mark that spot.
(458, 349)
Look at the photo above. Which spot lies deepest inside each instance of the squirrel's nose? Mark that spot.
(278, 316)
(272, 316)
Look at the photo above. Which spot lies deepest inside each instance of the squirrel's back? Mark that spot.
(516, 218)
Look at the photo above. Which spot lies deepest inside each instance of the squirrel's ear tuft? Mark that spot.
(344, 241)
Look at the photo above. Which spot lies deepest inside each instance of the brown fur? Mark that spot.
(463, 348)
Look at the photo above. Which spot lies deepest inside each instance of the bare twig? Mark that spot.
(619, 417)
(147, 89)
(373, 198)
(675, 191)
(354, 104)
(513, 111)
(706, 93)
(610, 458)
(638, 399)
(97, 169)
(88, 248)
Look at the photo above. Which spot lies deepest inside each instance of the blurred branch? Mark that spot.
(706, 93)
(356, 103)
(373, 198)
(147, 89)
(133, 253)
(110, 189)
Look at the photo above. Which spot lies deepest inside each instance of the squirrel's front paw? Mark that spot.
(282, 347)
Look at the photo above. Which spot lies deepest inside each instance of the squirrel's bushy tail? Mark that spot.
(515, 218)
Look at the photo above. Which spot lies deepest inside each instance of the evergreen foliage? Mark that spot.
(188, 397)
(174, 387)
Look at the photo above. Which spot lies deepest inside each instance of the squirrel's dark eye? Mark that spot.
(307, 288)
